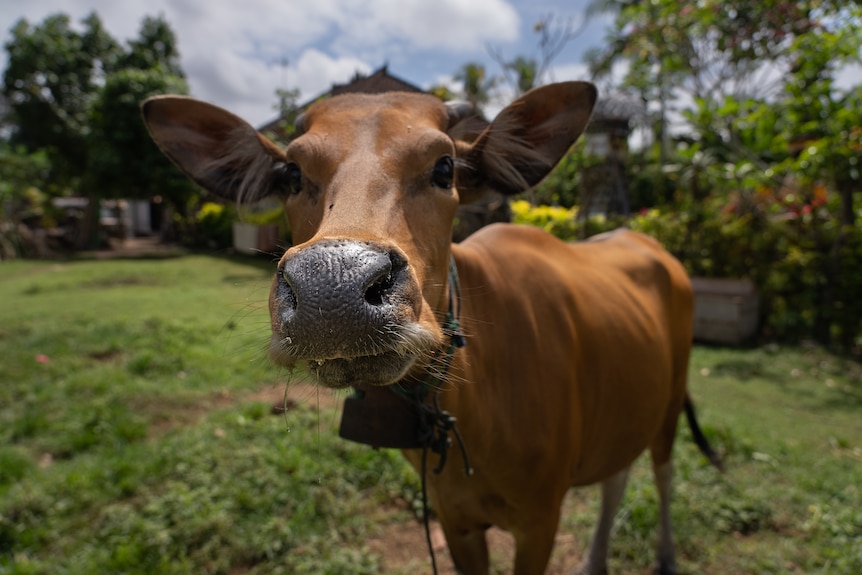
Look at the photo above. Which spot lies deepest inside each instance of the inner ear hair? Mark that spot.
(511, 164)
(244, 167)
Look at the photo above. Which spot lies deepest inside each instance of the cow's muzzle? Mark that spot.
(350, 309)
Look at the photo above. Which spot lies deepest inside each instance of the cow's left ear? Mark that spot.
(526, 139)
(215, 148)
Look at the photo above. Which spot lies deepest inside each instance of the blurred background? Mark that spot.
(135, 398)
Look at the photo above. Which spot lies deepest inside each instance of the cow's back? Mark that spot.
(565, 338)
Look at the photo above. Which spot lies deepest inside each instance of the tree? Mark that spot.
(51, 80)
(477, 86)
(524, 73)
(708, 52)
(155, 48)
(23, 178)
(77, 96)
(820, 116)
(289, 111)
(442, 91)
(769, 137)
(124, 162)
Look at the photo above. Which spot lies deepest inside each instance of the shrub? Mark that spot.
(214, 225)
(806, 267)
(561, 222)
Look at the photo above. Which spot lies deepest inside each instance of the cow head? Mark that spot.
(370, 187)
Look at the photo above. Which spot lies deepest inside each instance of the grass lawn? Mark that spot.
(135, 437)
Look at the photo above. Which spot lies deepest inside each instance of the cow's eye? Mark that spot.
(443, 173)
(288, 177)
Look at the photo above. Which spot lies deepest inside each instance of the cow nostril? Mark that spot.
(381, 289)
(286, 292)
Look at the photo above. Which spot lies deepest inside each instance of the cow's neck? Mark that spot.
(407, 414)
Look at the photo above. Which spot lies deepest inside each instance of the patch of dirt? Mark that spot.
(404, 548)
(181, 412)
(297, 392)
(401, 540)
(149, 247)
(190, 411)
(107, 356)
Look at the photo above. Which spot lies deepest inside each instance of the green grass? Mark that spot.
(788, 423)
(118, 453)
(131, 442)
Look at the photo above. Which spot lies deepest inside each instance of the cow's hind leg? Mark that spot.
(661, 452)
(613, 489)
(665, 562)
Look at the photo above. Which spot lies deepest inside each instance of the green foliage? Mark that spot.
(563, 185)
(24, 178)
(762, 185)
(288, 112)
(75, 96)
(124, 161)
(561, 222)
(20, 172)
(477, 85)
(214, 225)
(806, 267)
(155, 48)
(50, 81)
(264, 216)
(555, 220)
(787, 247)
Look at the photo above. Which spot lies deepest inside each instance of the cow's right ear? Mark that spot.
(218, 150)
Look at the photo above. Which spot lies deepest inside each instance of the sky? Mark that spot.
(236, 54)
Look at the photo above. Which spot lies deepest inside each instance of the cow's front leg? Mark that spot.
(612, 493)
(469, 550)
(534, 544)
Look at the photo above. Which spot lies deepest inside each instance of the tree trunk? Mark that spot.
(88, 236)
(845, 189)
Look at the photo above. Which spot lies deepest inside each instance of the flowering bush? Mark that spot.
(805, 265)
(562, 222)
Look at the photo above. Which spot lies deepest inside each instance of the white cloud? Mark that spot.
(848, 76)
(316, 71)
(568, 72)
(232, 52)
(450, 25)
(234, 55)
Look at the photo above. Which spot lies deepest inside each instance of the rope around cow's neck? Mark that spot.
(438, 423)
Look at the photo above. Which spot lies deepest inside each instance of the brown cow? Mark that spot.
(576, 355)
